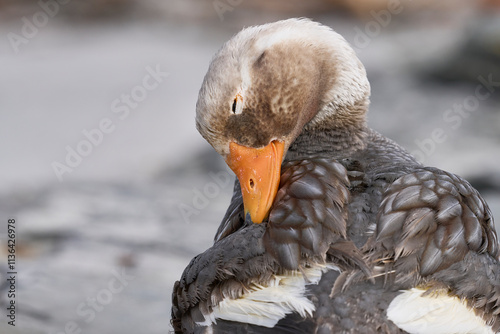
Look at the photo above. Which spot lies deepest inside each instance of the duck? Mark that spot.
(332, 227)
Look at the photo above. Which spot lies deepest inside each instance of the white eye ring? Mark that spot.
(237, 107)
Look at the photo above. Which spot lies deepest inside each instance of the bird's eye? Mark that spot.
(237, 107)
(234, 104)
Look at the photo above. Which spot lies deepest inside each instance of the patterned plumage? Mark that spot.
(358, 229)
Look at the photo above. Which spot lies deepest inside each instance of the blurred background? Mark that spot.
(113, 190)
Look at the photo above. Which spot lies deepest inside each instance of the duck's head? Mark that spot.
(264, 86)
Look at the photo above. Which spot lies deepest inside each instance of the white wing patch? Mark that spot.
(266, 305)
(434, 314)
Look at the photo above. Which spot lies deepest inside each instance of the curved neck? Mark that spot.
(334, 142)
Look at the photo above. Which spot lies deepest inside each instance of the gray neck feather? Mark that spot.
(340, 135)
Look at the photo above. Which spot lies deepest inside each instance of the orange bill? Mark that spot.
(258, 170)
